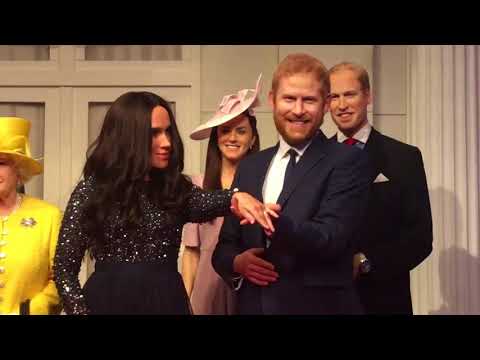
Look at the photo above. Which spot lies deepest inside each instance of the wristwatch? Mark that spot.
(365, 265)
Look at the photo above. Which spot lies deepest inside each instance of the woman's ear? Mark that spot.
(252, 142)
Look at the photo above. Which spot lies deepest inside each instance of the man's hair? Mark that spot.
(360, 72)
(301, 63)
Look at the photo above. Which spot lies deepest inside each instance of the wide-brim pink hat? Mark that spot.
(230, 107)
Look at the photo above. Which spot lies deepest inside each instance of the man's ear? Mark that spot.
(369, 97)
(326, 104)
(271, 98)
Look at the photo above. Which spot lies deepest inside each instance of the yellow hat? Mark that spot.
(14, 141)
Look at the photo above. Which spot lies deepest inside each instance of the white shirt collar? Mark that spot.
(284, 147)
(361, 135)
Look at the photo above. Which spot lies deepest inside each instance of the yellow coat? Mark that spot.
(27, 249)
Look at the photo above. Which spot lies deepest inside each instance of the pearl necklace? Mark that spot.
(18, 202)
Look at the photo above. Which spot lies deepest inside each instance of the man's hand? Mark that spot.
(254, 268)
(273, 210)
(357, 258)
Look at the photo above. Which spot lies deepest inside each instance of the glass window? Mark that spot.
(24, 52)
(133, 52)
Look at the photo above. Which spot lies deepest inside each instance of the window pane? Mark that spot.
(133, 52)
(96, 114)
(24, 52)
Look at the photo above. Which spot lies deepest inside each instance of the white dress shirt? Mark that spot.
(361, 135)
(273, 185)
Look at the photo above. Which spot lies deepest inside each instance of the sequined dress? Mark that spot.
(135, 272)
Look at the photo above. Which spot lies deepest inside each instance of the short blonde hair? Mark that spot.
(23, 175)
(360, 72)
(301, 63)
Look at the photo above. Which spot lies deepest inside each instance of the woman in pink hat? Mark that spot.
(232, 134)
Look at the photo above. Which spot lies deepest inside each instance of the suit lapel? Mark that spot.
(262, 164)
(255, 181)
(310, 158)
(375, 152)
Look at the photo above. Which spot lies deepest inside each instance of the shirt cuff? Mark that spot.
(237, 282)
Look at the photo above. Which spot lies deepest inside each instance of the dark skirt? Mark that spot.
(137, 289)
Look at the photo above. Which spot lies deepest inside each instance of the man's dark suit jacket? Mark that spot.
(313, 244)
(396, 235)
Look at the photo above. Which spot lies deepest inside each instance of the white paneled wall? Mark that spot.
(390, 94)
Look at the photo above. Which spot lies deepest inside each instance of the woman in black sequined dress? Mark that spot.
(129, 212)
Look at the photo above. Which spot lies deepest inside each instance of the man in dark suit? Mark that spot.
(396, 234)
(305, 266)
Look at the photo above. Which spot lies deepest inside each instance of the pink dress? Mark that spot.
(210, 294)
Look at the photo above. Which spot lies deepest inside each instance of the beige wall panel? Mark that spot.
(391, 125)
(390, 71)
(228, 68)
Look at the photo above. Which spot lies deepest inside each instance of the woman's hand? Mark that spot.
(249, 210)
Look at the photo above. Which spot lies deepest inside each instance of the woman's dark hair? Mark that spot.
(119, 162)
(213, 165)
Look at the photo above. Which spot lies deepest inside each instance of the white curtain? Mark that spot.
(133, 52)
(443, 121)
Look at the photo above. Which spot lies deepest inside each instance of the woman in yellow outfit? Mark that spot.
(28, 229)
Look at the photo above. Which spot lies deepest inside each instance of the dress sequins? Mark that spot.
(157, 238)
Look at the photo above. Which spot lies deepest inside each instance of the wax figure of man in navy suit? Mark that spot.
(396, 234)
(305, 266)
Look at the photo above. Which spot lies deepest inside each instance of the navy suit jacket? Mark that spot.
(312, 247)
(396, 235)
